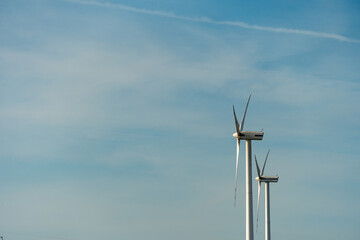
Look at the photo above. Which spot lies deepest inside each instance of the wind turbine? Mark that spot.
(265, 179)
(247, 136)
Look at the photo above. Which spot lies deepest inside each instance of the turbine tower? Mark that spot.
(265, 179)
(247, 136)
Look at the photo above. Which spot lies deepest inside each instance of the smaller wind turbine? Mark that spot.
(265, 179)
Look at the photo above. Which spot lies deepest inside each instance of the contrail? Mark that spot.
(216, 22)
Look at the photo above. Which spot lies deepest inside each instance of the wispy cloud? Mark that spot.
(216, 22)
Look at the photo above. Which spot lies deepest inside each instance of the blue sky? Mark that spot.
(116, 117)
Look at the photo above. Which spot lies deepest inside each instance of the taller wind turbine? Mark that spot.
(248, 136)
(265, 179)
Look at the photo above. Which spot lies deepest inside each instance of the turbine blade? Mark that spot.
(257, 167)
(236, 167)
(258, 203)
(243, 119)
(262, 172)
(236, 122)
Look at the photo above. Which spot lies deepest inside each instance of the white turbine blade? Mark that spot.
(257, 216)
(257, 167)
(243, 119)
(236, 168)
(262, 172)
(236, 122)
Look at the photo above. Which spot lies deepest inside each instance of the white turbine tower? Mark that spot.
(265, 179)
(248, 136)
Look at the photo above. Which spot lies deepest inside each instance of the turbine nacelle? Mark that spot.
(267, 178)
(249, 135)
